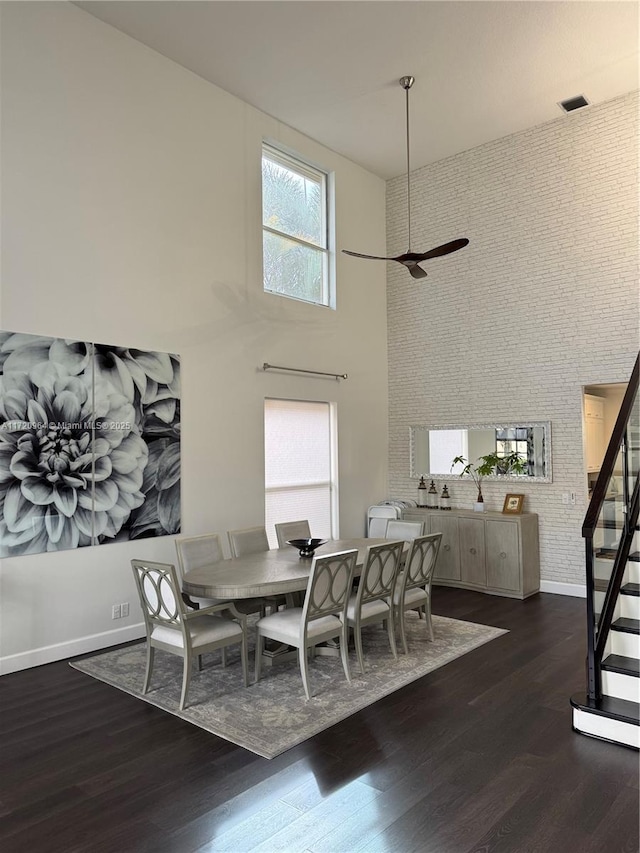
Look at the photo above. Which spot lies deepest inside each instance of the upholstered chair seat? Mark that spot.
(202, 632)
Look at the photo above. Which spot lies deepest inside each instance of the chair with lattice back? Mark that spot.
(373, 601)
(172, 628)
(413, 590)
(322, 616)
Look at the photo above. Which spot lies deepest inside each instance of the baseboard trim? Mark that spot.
(71, 648)
(577, 590)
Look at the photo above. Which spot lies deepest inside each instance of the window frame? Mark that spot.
(305, 169)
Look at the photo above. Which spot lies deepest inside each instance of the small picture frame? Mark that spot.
(513, 504)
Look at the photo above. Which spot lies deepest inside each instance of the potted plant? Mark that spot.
(488, 464)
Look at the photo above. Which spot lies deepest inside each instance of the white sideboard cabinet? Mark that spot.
(489, 551)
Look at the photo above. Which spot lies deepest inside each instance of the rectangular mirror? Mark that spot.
(432, 448)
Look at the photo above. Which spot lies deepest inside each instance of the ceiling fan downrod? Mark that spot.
(406, 83)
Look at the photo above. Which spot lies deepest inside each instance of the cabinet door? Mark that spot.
(448, 564)
(595, 442)
(503, 555)
(472, 565)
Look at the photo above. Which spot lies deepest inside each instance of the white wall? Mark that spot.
(543, 301)
(131, 216)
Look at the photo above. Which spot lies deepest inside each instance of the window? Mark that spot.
(445, 445)
(295, 252)
(299, 465)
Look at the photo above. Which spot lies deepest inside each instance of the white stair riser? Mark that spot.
(621, 686)
(602, 569)
(622, 643)
(627, 607)
(604, 727)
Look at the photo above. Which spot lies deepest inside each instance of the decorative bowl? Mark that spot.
(306, 547)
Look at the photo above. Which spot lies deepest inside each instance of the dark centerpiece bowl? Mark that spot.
(306, 547)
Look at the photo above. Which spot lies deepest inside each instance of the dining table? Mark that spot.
(279, 571)
(266, 573)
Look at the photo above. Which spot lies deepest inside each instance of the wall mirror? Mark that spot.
(433, 448)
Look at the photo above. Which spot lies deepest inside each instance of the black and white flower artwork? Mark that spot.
(89, 444)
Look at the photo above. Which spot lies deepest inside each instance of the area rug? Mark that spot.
(273, 715)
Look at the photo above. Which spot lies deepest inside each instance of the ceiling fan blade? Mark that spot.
(369, 257)
(445, 249)
(416, 271)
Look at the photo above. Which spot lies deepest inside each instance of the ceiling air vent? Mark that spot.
(572, 104)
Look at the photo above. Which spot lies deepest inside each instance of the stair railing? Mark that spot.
(624, 445)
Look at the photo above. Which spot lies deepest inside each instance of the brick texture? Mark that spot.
(543, 301)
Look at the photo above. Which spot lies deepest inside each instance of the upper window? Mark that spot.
(294, 228)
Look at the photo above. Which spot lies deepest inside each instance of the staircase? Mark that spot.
(610, 709)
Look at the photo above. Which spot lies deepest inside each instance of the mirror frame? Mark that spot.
(414, 429)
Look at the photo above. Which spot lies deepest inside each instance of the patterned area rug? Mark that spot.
(273, 715)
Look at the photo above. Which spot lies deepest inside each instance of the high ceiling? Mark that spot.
(330, 69)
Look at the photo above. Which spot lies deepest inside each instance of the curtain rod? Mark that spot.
(336, 376)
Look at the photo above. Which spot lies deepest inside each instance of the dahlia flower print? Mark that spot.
(89, 444)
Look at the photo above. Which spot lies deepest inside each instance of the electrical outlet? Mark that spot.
(124, 608)
(565, 498)
(116, 611)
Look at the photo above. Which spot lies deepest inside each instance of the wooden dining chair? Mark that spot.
(248, 540)
(322, 616)
(254, 540)
(406, 530)
(292, 530)
(173, 628)
(196, 552)
(413, 589)
(373, 601)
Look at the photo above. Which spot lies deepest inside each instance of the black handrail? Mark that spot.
(619, 440)
(608, 463)
(620, 562)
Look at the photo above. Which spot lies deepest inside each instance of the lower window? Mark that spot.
(299, 465)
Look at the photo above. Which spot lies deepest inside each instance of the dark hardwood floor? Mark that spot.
(477, 756)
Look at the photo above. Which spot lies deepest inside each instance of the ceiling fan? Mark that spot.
(411, 260)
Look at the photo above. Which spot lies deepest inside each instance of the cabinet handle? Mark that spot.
(472, 550)
(446, 547)
(502, 554)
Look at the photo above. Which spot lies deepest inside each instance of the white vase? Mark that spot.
(478, 507)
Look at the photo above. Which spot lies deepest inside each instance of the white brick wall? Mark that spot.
(543, 300)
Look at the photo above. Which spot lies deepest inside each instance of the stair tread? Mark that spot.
(606, 553)
(630, 626)
(622, 665)
(610, 554)
(609, 706)
(630, 589)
